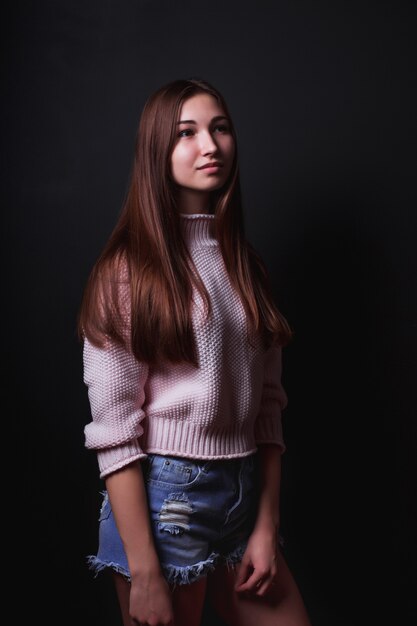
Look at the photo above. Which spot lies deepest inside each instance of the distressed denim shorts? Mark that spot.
(202, 513)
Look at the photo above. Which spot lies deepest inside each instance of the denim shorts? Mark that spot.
(202, 513)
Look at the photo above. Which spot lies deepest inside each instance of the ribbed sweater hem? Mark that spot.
(192, 455)
(202, 441)
(190, 440)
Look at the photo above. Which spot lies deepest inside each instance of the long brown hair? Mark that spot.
(146, 250)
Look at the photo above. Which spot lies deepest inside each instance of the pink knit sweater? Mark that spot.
(222, 409)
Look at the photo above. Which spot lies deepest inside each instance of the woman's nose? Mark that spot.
(208, 145)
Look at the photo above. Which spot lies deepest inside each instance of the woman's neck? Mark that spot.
(191, 202)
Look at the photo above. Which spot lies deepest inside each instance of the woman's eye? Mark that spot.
(222, 128)
(188, 132)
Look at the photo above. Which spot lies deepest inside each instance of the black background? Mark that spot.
(323, 98)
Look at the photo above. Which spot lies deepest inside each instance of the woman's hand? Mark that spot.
(150, 600)
(258, 569)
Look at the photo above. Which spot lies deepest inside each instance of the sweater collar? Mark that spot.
(198, 229)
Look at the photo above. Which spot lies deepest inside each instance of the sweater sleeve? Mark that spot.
(115, 381)
(268, 425)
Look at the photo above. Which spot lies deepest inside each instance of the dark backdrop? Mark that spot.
(323, 98)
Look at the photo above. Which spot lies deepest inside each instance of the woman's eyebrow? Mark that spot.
(215, 119)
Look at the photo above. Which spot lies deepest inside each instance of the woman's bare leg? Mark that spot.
(284, 605)
(123, 591)
(187, 601)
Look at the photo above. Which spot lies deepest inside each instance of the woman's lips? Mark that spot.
(211, 166)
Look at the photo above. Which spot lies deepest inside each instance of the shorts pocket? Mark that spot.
(173, 471)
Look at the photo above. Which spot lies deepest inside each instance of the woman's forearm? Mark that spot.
(270, 484)
(129, 504)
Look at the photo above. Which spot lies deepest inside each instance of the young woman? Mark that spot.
(182, 359)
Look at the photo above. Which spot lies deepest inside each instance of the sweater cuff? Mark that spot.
(270, 431)
(112, 459)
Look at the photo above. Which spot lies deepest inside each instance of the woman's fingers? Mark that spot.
(264, 586)
(258, 584)
(243, 574)
(255, 580)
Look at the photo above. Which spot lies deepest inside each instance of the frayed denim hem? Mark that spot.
(186, 575)
(235, 557)
(177, 575)
(97, 566)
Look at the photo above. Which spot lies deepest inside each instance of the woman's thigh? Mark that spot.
(283, 606)
(188, 603)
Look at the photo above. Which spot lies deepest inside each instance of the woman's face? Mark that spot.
(203, 138)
